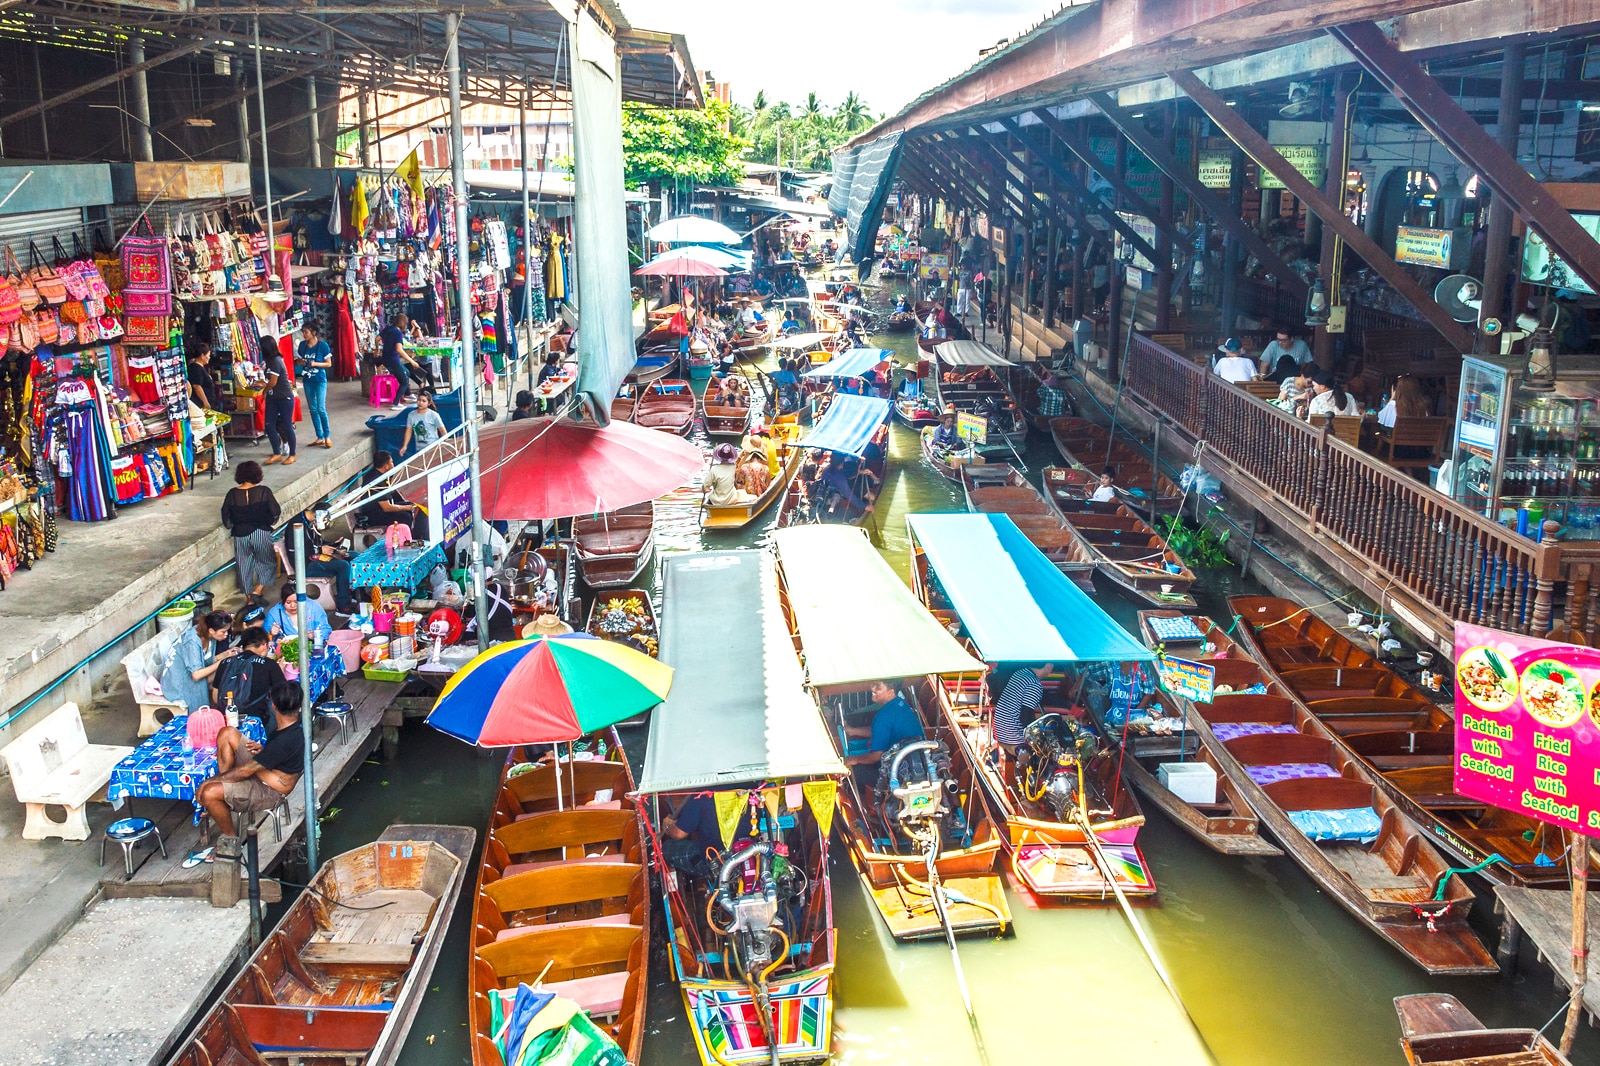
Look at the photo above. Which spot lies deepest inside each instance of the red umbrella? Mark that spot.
(557, 468)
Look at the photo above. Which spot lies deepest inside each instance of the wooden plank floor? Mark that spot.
(336, 762)
(1545, 916)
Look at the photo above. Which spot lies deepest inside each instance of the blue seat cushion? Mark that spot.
(1353, 825)
(129, 827)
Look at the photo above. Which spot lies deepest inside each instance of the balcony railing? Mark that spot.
(1465, 567)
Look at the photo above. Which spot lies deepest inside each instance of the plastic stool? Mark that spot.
(385, 390)
(128, 832)
(340, 713)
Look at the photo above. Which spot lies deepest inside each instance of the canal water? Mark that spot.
(1270, 970)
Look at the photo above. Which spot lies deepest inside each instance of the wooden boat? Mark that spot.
(947, 464)
(722, 420)
(668, 405)
(815, 346)
(341, 978)
(653, 366)
(797, 502)
(900, 322)
(1051, 855)
(955, 331)
(1438, 1030)
(1126, 549)
(612, 548)
(627, 616)
(915, 410)
(1227, 824)
(740, 723)
(1087, 445)
(837, 594)
(752, 340)
(739, 515)
(1399, 734)
(1285, 763)
(563, 899)
(1000, 488)
(980, 391)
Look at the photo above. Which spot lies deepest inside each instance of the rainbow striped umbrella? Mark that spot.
(548, 690)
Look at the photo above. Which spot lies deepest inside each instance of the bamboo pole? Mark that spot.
(1578, 863)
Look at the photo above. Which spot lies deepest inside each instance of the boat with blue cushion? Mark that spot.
(1326, 809)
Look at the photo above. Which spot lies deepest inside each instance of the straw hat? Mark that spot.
(698, 348)
(546, 625)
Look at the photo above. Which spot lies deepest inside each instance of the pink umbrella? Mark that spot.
(557, 468)
(678, 267)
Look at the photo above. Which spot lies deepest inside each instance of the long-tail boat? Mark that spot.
(1328, 811)
(563, 901)
(342, 976)
(667, 405)
(1401, 735)
(1069, 822)
(749, 919)
(1436, 1029)
(856, 426)
(1125, 548)
(1088, 445)
(854, 622)
(966, 375)
(738, 515)
(1000, 488)
(612, 548)
(1227, 823)
(724, 420)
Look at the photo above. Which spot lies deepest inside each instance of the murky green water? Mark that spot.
(1270, 969)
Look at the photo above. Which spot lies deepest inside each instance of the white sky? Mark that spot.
(888, 51)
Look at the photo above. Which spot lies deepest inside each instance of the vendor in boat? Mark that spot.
(267, 774)
(721, 488)
(843, 485)
(1106, 490)
(945, 438)
(1019, 701)
(893, 722)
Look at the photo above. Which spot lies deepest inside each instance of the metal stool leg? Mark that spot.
(127, 858)
(162, 844)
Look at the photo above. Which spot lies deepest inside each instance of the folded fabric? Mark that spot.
(1289, 771)
(1354, 825)
(1229, 730)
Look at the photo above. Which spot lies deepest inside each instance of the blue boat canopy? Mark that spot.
(1016, 606)
(851, 364)
(849, 424)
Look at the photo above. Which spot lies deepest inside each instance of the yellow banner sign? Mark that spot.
(1423, 247)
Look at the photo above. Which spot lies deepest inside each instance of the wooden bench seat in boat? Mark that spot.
(613, 541)
(1314, 683)
(1005, 499)
(536, 789)
(1376, 714)
(1249, 707)
(592, 805)
(274, 1031)
(528, 867)
(572, 955)
(383, 956)
(600, 995)
(604, 919)
(1274, 749)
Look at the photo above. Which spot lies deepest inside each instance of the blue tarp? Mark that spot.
(1015, 604)
(849, 424)
(851, 364)
(861, 179)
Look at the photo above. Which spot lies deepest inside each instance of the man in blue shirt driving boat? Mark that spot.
(894, 722)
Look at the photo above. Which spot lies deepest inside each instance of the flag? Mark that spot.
(358, 208)
(336, 212)
(410, 172)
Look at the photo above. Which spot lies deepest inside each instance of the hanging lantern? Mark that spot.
(1317, 304)
(1539, 372)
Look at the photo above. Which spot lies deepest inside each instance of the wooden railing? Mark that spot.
(1467, 568)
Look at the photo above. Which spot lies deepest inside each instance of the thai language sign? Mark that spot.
(1308, 159)
(1528, 726)
(1423, 247)
(1192, 681)
(449, 502)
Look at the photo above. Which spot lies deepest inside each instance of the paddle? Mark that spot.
(936, 890)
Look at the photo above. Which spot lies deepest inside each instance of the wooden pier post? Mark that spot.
(1578, 863)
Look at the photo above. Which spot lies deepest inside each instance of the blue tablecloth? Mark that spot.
(160, 768)
(325, 667)
(405, 571)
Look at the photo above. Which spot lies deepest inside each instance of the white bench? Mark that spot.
(53, 763)
(145, 662)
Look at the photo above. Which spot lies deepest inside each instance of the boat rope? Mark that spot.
(668, 879)
(330, 899)
(1444, 878)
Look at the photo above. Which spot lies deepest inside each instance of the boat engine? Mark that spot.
(748, 893)
(915, 783)
(1055, 751)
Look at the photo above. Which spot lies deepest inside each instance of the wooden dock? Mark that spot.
(336, 762)
(1544, 916)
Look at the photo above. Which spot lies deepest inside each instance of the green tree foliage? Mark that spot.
(806, 133)
(673, 147)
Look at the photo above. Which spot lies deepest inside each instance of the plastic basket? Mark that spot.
(373, 673)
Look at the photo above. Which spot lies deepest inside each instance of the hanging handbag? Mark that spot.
(110, 328)
(67, 269)
(26, 293)
(10, 304)
(27, 334)
(46, 281)
(73, 311)
(144, 330)
(48, 325)
(147, 267)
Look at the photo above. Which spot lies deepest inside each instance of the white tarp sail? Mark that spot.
(861, 180)
(605, 303)
(969, 353)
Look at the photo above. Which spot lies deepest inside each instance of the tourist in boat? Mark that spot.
(283, 617)
(1232, 364)
(721, 488)
(268, 774)
(894, 722)
(1280, 346)
(1328, 398)
(751, 474)
(1019, 701)
(1106, 491)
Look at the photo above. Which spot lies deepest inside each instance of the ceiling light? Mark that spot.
(204, 123)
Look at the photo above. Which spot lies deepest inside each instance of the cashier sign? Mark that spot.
(1190, 680)
(1527, 731)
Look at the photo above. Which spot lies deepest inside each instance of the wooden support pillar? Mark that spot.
(1232, 250)
(1163, 241)
(1079, 279)
(1497, 236)
(1323, 342)
(1116, 276)
(1027, 260)
(1052, 251)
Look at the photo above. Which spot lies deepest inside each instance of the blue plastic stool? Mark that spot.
(128, 832)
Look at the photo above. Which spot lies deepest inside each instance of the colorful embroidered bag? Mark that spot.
(147, 269)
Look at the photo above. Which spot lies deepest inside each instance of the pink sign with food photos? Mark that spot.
(1528, 726)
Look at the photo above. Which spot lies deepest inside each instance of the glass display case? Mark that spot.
(1525, 456)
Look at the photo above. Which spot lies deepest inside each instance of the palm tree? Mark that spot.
(759, 104)
(813, 109)
(852, 114)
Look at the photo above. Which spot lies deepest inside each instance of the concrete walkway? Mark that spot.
(117, 988)
(104, 577)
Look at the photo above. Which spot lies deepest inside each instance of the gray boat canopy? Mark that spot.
(969, 353)
(739, 713)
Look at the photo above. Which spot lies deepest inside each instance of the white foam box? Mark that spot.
(1192, 782)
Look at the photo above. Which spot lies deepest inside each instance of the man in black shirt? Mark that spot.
(249, 679)
(261, 781)
(388, 508)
